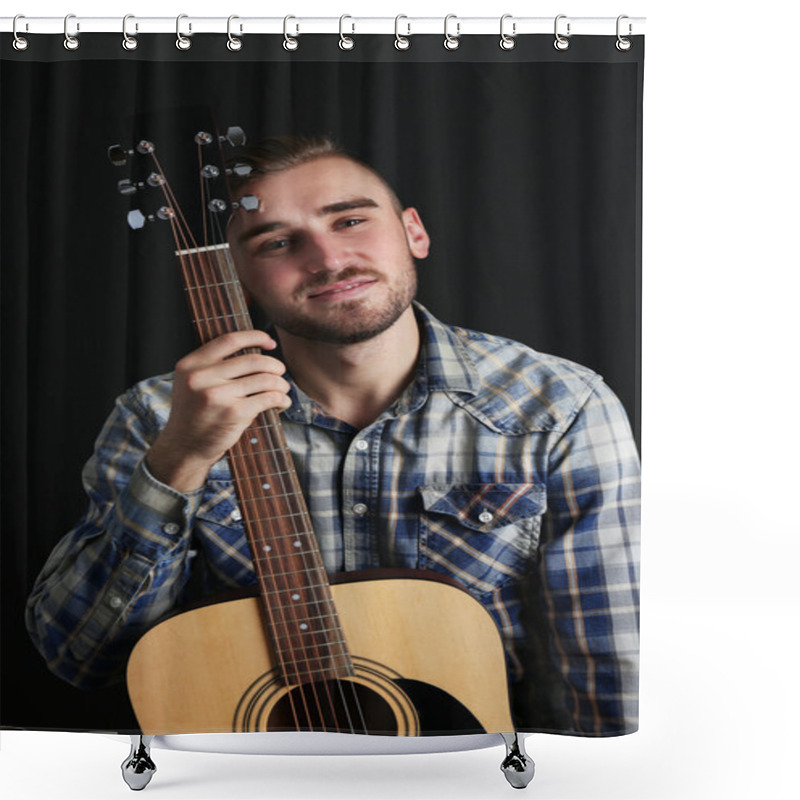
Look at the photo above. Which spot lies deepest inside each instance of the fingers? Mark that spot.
(225, 346)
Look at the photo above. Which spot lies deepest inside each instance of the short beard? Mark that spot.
(350, 322)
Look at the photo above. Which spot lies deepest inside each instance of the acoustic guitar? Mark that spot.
(385, 652)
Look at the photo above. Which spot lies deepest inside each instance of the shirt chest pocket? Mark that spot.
(484, 535)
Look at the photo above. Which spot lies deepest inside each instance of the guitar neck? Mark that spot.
(300, 616)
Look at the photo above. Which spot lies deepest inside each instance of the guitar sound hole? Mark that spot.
(336, 706)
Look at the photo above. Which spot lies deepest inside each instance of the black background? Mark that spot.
(525, 166)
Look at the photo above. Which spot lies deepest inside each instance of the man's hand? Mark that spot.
(216, 395)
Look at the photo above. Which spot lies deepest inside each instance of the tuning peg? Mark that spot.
(216, 206)
(118, 155)
(202, 137)
(137, 220)
(235, 136)
(249, 203)
(241, 170)
(210, 171)
(126, 187)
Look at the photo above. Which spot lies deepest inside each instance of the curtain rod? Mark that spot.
(346, 25)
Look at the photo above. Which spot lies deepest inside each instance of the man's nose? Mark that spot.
(324, 253)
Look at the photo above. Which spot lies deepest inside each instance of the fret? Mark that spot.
(201, 286)
(287, 554)
(271, 496)
(235, 315)
(306, 572)
(241, 456)
(305, 631)
(298, 534)
(300, 604)
(280, 516)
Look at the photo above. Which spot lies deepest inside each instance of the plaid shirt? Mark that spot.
(512, 471)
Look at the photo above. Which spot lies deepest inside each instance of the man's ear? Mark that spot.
(419, 243)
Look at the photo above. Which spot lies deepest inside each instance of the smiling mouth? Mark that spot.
(343, 288)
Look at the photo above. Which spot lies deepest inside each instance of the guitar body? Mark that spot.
(427, 659)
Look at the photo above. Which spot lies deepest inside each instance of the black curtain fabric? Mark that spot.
(525, 166)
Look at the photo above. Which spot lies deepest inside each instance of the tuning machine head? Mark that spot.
(248, 202)
(137, 219)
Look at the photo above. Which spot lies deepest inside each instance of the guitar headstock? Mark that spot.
(199, 208)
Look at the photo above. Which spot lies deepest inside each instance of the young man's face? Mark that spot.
(326, 254)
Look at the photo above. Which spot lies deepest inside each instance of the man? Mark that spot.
(417, 445)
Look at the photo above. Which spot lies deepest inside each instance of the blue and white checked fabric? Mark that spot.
(512, 471)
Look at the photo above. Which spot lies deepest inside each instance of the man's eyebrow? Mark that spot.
(331, 208)
(347, 205)
(258, 230)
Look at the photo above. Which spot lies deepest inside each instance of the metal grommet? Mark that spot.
(289, 42)
(234, 43)
(129, 42)
(507, 42)
(451, 42)
(401, 42)
(182, 42)
(346, 42)
(622, 43)
(20, 42)
(561, 43)
(71, 42)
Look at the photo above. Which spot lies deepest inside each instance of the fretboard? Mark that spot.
(300, 616)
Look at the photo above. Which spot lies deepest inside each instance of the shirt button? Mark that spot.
(236, 515)
(362, 444)
(485, 517)
(172, 528)
(115, 601)
(359, 509)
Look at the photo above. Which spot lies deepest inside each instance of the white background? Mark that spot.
(719, 690)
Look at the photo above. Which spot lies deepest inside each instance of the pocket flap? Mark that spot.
(484, 507)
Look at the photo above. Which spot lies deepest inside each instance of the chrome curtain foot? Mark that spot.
(138, 768)
(517, 766)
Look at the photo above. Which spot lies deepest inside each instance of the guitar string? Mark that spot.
(223, 264)
(198, 261)
(283, 448)
(298, 516)
(255, 524)
(183, 237)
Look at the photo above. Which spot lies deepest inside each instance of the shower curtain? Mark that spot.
(524, 165)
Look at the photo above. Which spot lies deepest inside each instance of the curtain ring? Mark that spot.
(20, 42)
(71, 42)
(234, 43)
(451, 42)
(182, 42)
(346, 42)
(289, 42)
(507, 42)
(401, 42)
(129, 42)
(623, 44)
(561, 43)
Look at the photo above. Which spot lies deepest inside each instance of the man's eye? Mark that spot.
(274, 245)
(351, 222)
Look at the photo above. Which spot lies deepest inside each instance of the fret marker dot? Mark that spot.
(267, 548)
(295, 597)
(254, 440)
(297, 544)
(265, 486)
(303, 627)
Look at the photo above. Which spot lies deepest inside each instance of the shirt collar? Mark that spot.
(444, 365)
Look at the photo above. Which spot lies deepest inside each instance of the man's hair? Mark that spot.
(279, 153)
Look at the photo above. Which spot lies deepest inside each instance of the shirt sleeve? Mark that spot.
(589, 566)
(122, 566)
